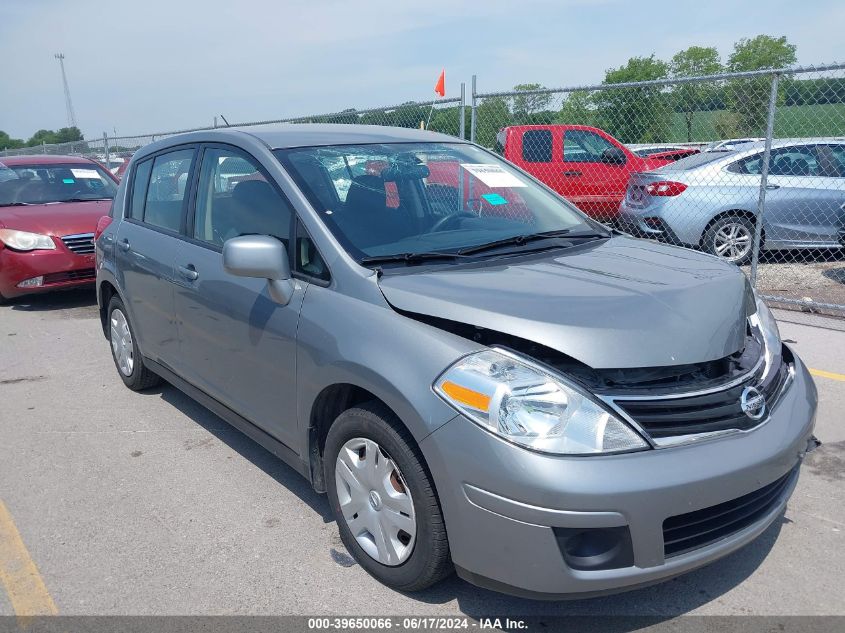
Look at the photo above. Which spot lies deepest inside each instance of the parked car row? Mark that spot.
(705, 200)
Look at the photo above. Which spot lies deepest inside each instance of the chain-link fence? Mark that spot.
(747, 166)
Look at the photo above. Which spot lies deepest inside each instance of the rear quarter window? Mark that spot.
(139, 189)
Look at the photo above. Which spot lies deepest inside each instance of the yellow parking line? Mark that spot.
(827, 374)
(18, 573)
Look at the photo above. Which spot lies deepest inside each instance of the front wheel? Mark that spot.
(384, 501)
(731, 238)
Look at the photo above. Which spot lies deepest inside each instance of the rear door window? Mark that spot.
(168, 189)
(537, 146)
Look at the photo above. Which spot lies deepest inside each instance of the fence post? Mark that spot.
(106, 149)
(764, 177)
(462, 112)
(473, 113)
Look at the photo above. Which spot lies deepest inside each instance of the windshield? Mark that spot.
(400, 198)
(44, 184)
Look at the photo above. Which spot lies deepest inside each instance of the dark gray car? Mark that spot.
(479, 376)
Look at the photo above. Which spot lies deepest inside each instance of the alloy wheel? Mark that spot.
(732, 241)
(121, 343)
(375, 502)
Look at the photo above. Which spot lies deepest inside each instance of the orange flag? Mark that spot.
(440, 86)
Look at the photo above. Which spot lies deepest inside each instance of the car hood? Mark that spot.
(63, 218)
(617, 303)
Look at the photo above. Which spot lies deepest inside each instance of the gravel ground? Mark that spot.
(819, 277)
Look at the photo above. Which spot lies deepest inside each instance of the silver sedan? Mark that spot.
(709, 200)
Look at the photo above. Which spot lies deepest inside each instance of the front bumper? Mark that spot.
(504, 505)
(61, 269)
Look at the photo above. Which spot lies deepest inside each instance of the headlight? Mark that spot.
(531, 407)
(25, 241)
(764, 321)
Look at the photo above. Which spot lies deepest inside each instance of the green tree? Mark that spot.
(577, 109)
(448, 121)
(491, 115)
(63, 135)
(749, 98)
(636, 114)
(347, 116)
(692, 97)
(7, 142)
(407, 115)
(525, 107)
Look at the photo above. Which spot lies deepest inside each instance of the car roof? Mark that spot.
(44, 159)
(284, 136)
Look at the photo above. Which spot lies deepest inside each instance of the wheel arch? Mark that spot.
(333, 400)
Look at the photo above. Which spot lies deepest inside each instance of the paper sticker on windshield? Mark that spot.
(85, 173)
(494, 198)
(493, 175)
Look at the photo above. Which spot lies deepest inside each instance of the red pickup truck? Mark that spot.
(586, 165)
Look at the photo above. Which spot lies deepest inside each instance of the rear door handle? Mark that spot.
(189, 272)
(123, 244)
(771, 187)
(572, 173)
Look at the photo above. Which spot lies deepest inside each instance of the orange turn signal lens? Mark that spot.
(466, 396)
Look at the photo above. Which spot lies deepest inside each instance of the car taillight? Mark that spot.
(102, 225)
(665, 188)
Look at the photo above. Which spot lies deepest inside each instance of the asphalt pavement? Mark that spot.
(128, 503)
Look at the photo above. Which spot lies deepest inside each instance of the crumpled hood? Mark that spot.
(617, 303)
(65, 218)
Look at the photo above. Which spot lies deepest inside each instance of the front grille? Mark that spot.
(70, 275)
(702, 413)
(82, 244)
(686, 532)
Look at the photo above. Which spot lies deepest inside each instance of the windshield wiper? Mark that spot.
(408, 258)
(519, 240)
(78, 200)
(16, 204)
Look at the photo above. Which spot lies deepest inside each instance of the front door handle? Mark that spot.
(189, 272)
(572, 173)
(123, 244)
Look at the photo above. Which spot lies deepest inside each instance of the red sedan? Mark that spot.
(49, 209)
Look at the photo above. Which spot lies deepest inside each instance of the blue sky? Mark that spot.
(160, 65)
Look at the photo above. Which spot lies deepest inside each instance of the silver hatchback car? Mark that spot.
(710, 200)
(480, 377)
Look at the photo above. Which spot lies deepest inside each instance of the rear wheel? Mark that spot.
(383, 499)
(731, 238)
(127, 358)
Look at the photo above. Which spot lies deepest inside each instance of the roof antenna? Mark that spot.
(224, 120)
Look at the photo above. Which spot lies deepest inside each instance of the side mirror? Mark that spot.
(260, 257)
(613, 156)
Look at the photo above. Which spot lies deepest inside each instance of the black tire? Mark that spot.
(141, 377)
(429, 561)
(712, 238)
